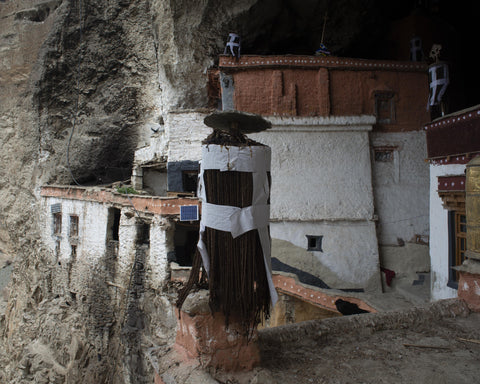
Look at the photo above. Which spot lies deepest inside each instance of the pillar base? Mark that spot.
(203, 336)
(469, 284)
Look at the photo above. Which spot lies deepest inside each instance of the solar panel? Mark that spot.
(188, 213)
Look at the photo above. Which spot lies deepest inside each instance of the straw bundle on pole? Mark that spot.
(237, 267)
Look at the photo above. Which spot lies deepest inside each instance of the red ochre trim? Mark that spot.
(451, 183)
(250, 61)
(454, 159)
(454, 119)
(288, 285)
(151, 204)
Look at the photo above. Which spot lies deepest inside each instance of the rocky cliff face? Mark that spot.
(82, 82)
(79, 81)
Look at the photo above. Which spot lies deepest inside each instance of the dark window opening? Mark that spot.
(457, 227)
(185, 241)
(385, 107)
(384, 154)
(143, 233)
(73, 252)
(190, 181)
(113, 223)
(73, 226)
(314, 243)
(57, 223)
(57, 249)
(182, 177)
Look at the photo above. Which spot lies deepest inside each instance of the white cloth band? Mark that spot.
(235, 220)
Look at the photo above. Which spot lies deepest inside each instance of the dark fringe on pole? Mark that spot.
(237, 278)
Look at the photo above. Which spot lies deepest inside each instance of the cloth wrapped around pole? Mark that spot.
(234, 242)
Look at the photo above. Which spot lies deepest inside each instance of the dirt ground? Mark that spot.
(416, 347)
(432, 353)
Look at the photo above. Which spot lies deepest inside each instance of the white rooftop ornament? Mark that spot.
(233, 44)
(438, 77)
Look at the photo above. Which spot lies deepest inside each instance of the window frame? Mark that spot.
(57, 223)
(73, 226)
(457, 244)
(388, 97)
(190, 181)
(314, 243)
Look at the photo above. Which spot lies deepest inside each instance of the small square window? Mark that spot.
(314, 243)
(384, 155)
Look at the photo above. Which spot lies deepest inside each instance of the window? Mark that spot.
(73, 226)
(384, 155)
(57, 223)
(143, 233)
(457, 223)
(314, 243)
(113, 224)
(385, 107)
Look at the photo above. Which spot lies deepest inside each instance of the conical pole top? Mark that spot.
(235, 122)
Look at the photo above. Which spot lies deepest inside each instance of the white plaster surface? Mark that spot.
(127, 235)
(91, 232)
(439, 233)
(154, 151)
(155, 182)
(92, 245)
(322, 185)
(161, 242)
(180, 139)
(401, 187)
(185, 132)
(320, 172)
(349, 249)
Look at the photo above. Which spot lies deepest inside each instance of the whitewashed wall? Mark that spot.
(91, 232)
(92, 248)
(320, 168)
(401, 187)
(127, 235)
(75, 273)
(439, 233)
(185, 132)
(322, 186)
(349, 251)
(161, 242)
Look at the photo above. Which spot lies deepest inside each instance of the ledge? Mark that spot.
(254, 61)
(321, 123)
(148, 204)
